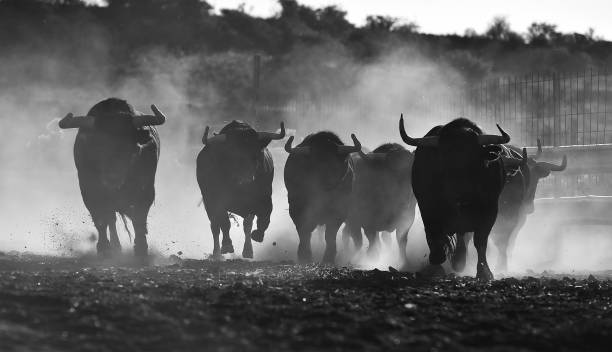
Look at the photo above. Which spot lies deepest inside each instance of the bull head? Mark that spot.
(138, 120)
(262, 136)
(432, 141)
(341, 149)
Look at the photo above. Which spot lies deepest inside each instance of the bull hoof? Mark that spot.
(304, 258)
(432, 271)
(257, 235)
(103, 249)
(247, 252)
(329, 258)
(141, 251)
(115, 249)
(216, 255)
(227, 247)
(483, 272)
(141, 248)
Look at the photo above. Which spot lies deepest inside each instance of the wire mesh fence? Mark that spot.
(559, 109)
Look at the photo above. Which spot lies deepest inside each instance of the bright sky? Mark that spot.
(454, 16)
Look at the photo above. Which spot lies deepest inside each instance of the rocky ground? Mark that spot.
(63, 304)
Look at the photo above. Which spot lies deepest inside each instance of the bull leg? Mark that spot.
(501, 239)
(216, 230)
(139, 220)
(373, 245)
(436, 241)
(247, 224)
(115, 245)
(481, 236)
(263, 220)
(459, 255)
(103, 245)
(401, 234)
(304, 250)
(331, 231)
(226, 242)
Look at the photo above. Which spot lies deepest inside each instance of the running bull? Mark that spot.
(382, 197)
(517, 199)
(319, 178)
(235, 172)
(457, 178)
(116, 153)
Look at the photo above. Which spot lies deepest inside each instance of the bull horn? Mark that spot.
(430, 141)
(553, 167)
(485, 139)
(345, 149)
(539, 151)
(273, 135)
(296, 150)
(369, 157)
(158, 118)
(213, 140)
(71, 121)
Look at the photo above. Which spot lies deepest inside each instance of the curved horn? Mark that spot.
(553, 167)
(485, 139)
(158, 118)
(273, 135)
(71, 121)
(345, 149)
(431, 141)
(213, 140)
(372, 156)
(296, 150)
(539, 152)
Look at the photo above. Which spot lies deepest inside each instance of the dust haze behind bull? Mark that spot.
(40, 202)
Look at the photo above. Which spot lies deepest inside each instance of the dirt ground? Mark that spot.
(64, 304)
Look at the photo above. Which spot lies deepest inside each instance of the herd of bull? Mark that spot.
(463, 180)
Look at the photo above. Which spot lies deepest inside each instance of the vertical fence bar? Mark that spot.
(605, 104)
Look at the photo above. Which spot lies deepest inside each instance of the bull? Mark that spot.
(382, 197)
(319, 178)
(235, 173)
(457, 177)
(116, 153)
(517, 199)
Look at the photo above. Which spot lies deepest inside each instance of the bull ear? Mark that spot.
(71, 121)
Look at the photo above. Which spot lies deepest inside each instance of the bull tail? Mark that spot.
(125, 225)
(450, 245)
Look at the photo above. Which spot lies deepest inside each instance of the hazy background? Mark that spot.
(319, 71)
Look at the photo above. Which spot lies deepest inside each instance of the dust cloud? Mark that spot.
(40, 202)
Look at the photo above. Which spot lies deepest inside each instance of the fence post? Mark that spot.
(256, 83)
(556, 110)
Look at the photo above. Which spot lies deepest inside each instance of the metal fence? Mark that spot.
(560, 109)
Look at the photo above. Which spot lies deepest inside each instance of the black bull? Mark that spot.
(457, 178)
(517, 199)
(235, 173)
(318, 176)
(382, 197)
(116, 153)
